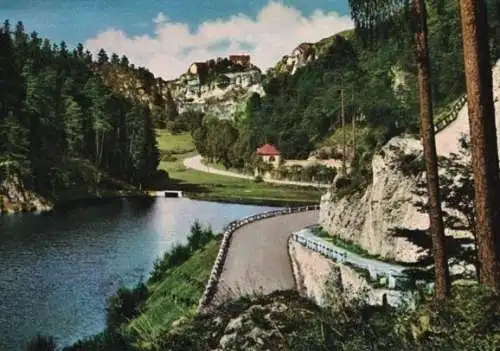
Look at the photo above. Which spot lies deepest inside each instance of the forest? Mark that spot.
(61, 127)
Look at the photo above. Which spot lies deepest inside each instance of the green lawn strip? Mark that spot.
(176, 295)
(175, 143)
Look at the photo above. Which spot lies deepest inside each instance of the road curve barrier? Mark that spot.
(213, 280)
(452, 115)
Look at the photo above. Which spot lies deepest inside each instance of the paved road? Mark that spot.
(257, 260)
(195, 163)
(447, 139)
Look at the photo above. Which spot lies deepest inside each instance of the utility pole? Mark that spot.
(353, 129)
(343, 129)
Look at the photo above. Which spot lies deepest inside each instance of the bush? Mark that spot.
(199, 236)
(258, 179)
(173, 258)
(411, 164)
(125, 305)
(179, 254)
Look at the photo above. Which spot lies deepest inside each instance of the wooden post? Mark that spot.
(353, 130)
(343, 129)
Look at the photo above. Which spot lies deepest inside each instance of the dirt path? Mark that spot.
(196, 164)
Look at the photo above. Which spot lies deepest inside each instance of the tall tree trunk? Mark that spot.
(484, 150)
(442, 287)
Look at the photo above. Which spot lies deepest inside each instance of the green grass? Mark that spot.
(178, 144)
(213, 187)
(175, 296)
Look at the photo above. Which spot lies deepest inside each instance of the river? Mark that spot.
(57, 269)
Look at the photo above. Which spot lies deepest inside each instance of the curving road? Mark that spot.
(447, 139)
(195, 163)
(257, 260)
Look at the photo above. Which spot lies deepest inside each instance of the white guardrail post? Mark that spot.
(213, 280)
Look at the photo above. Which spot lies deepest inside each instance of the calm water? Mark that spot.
(57, 269)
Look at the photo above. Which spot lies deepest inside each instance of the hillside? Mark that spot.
(217, 87)
(63, 133)
(374, 85)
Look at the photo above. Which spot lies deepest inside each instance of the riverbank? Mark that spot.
(139, 318)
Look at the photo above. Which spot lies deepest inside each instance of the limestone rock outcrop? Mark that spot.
(220, 91)
(221, 96)
(14, 197)
(367, 218)
(328, 283)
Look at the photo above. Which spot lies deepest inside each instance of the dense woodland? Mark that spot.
(61, 127)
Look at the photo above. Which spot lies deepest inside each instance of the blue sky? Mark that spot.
(185, 29)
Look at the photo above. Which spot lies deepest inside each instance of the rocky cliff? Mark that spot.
(221, 91)
(325, 282)
(221, 95)
(14, 197)
(368, 218)
(306, 53)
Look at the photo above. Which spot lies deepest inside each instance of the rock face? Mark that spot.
(388, 202)
(306, 53)
(220, 89)
(325, 282)
(300, 56)
(15, 198)
(221, 96)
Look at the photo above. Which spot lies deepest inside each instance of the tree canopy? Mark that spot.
(57, 115)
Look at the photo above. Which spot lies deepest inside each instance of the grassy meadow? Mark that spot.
(205, 186)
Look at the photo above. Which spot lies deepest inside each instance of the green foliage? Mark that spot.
(411, 164)
(125, 305)
(300, 111)
(41, 343)
(284, 321)
(215, 138)
(56, 111)
(198, 238)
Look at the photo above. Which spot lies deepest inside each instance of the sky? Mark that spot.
(166, 36)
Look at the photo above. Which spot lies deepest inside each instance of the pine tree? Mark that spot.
(115, 59)
(102, 57)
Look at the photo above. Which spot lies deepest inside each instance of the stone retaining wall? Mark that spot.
(321, 276)
(213, 281)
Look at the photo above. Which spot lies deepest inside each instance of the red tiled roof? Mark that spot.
(268, 150)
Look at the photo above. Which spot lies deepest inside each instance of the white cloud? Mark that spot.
(160, 18)
(275, 32)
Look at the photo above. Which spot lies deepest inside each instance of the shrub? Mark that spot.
(258, 179)
(179, 254)
(199, 236)
(411, 164)
(125, 305)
